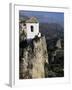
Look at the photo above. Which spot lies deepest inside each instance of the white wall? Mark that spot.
(4, 43)
(35, 32)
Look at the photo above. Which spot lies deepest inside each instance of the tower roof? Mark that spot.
(32, 20)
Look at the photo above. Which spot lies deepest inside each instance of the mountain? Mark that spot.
(51, 30)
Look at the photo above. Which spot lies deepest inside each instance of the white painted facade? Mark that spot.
(32, 34)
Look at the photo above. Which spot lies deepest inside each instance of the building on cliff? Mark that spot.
(33, 55)
(31, 28)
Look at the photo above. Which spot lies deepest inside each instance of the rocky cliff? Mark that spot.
(33, 59)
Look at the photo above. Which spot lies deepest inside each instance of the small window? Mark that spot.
(32, 29)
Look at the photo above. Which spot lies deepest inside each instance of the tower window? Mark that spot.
(32, 29)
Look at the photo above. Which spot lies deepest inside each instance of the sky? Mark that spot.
(45, 17)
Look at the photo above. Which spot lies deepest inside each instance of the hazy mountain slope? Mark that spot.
(51, 30)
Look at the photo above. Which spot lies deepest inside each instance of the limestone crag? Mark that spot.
(33, 59)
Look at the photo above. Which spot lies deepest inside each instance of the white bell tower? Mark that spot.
(32, 27)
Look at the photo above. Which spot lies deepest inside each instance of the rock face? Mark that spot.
(33, 59)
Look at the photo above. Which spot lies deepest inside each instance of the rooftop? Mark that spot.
(32, 20)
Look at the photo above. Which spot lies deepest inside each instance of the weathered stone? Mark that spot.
(33, 60)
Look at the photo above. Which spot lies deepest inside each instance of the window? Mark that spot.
(32, 29)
